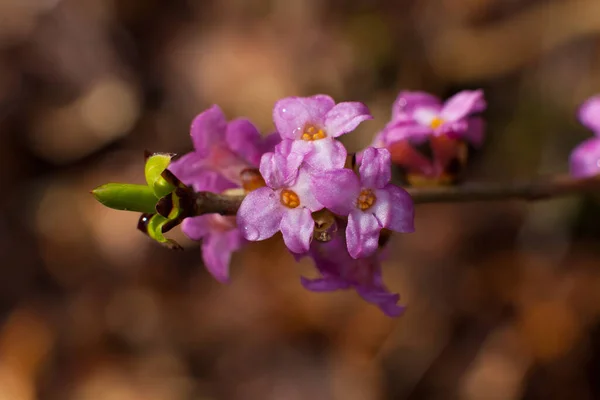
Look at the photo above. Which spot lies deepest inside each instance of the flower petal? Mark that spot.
(244, 139)
(345, 117)
(382, 209)
(277, 170)
(291, 114)
(207, 129)
(589, 114)
(462, 104)
(375, 168)
(325, 154)
(362, 234)
(402, 210)
(407, 102)
(329, 284)
(337, 190)
(402, 130)
(193, 170)
(386, 301)
(216, 252)
(182, 166)
(270, 141)
(294, 152)
(297, 228)
(585, 159)
(260, 214)
(271, 171)
(454, 129)
(196, 228)
(303, 188)
(425, 115)
(473, 132)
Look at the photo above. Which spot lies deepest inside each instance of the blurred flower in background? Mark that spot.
(429, 140)
(585, 158)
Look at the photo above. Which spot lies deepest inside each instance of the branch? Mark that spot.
(207, 203)
(213, 203)
(527, 190)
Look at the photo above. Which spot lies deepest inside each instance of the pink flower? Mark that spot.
(220, 238)
(340, 271)
(417, 115)
(313, 123)
(222, 151)
(285, 204)
(370, 202)
(421, 122)
(585, 158)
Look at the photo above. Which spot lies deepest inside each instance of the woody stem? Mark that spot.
(533, 190)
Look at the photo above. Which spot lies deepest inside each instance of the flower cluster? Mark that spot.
(428, 139)
(303, 177)
(335, 208)
(305, 174)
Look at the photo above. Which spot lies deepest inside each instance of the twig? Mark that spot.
(213, 203)
(207, 203)
(528, 190)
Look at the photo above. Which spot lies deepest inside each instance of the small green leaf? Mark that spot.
(155, 165)
(128, 197)
(155, 231)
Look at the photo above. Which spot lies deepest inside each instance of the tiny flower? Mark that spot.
(220, 238)
(585, 158)
(340, 271)
(418, 114)
(285, 204)
(222, 150)
(311, 124)
(428, 139)
(370, 202)
(223, 153)
(219, 234)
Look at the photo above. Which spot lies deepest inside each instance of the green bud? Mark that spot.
(127, 197)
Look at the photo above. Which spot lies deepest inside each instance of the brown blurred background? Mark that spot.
(503, 298)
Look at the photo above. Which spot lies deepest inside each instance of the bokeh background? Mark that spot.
(503, 298)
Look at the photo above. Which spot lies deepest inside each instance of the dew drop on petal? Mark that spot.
(251, 233)
(287, 113)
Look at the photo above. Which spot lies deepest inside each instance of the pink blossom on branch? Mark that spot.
(419, 114)
(311, 125)
(422, 120)
(302, 174)
(222, 150)
(285, 204)
(370, 202)
(339, 271)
